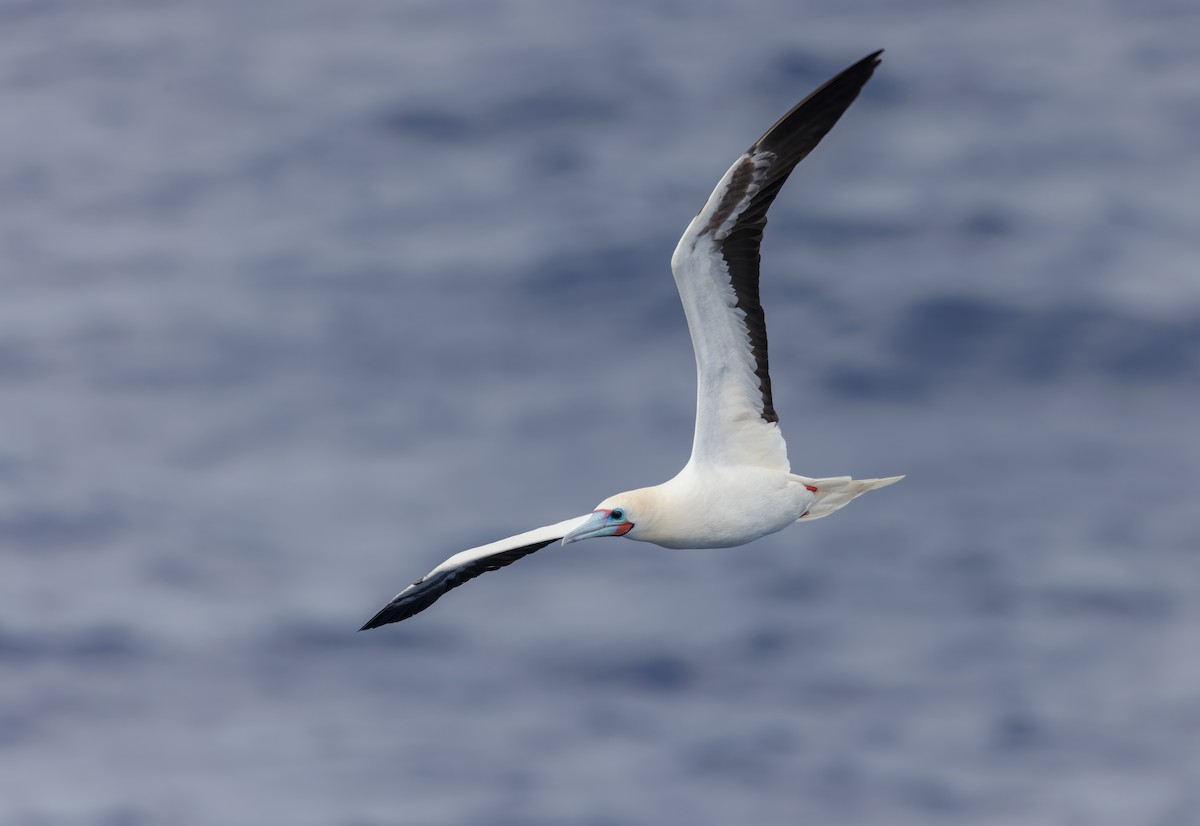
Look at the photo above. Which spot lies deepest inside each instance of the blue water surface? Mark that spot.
(298, 297)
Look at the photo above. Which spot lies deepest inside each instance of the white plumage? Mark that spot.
(737, 485)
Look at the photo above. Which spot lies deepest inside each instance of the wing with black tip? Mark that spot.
(467, 565)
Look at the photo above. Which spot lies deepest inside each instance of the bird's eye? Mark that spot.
(617, 514)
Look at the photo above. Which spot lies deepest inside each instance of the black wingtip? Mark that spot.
(387, 614)
(854, 76)
(379, 619)
(428, 589)
(870, 61)
(795, 134)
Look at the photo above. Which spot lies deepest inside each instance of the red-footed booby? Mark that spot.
(737, 485)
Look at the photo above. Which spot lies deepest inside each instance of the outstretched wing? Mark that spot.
(467, 565)
(716, 271)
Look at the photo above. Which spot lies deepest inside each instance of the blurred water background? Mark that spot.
(298, 297)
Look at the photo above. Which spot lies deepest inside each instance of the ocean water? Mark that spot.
(298, 297)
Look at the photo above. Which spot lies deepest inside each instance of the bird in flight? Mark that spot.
(737, 485)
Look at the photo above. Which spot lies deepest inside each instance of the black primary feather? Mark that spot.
(428, 589)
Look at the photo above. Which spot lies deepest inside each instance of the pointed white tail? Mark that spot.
(837, 491)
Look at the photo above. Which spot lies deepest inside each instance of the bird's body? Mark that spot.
(738, 485)
(713, 507)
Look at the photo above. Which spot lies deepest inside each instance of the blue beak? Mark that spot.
(600, 523)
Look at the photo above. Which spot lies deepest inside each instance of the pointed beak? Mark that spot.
(600, 523)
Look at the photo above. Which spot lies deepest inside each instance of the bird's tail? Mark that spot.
(837, 491)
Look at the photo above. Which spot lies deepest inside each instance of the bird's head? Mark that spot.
(615, 516)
